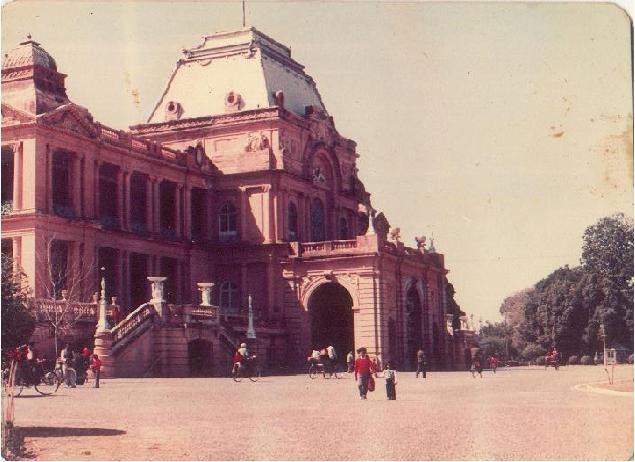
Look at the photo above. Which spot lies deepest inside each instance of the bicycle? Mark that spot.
(44, 382)
(316, 368)
(249, 370)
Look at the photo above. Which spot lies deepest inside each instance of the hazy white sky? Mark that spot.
(503, 129)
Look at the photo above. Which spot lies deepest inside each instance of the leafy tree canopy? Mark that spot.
(17, 322)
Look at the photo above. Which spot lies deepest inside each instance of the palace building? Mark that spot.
(238, 182)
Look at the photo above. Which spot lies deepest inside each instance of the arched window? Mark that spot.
(343, 229)
(317, 220)
(229, 299)
(292, 222)
(227, 223)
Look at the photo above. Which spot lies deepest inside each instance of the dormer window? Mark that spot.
(292, 222)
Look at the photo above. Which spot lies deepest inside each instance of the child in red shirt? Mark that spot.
(95, 366)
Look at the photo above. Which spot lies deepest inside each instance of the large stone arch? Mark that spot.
(331, 318)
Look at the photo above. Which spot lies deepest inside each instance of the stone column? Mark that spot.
(242, 213)
(187, 213)
(157, 295)
(17, 177)
(103, 337)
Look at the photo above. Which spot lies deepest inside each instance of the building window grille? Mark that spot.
(58, 268)
(343, 228)
(138, 203)
(167, 195)
(317, 220)
(227, 223)
(108, 196)
(60, 185)
(6, 171)
(229, 298)
(292, 222)
(197, 214)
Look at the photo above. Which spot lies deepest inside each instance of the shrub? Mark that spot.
(630, 358)
(540, 361)
(586, 360)
(574, 359)
(532, 351)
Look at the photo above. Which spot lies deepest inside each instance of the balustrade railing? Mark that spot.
(132, 321)
(88, 311)
(326, 247)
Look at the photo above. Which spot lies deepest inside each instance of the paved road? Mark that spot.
(514, 414)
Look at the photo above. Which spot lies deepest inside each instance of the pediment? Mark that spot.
(14, 116)
(71, 118)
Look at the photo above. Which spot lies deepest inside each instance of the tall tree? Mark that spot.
(607, 253)
(17, 322)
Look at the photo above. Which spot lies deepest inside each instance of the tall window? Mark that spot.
(60, 185)
(229, 298)
(197, 214)
(227, 223)
(138, 203)
(167, 198)
(6, 171)
(169, 269)
(108, 195)
(139, 288)
(58, 267)
(343, 228)
(292, 222)
(317, 220)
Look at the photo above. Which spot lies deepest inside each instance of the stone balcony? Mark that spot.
(359, 246)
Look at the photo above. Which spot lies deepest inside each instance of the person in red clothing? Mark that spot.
(95, 366)
(363, 369)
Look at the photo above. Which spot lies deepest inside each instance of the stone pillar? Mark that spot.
(103, 337)
(157, 295)
(17, 177)
(187, 213)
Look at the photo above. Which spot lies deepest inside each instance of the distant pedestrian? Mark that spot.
(68, 362)
(363, 370)
(331, 359)
(493, 363)
(95, 366)
(390, 375)
(350, 362)
(421, 364)
(477, 366)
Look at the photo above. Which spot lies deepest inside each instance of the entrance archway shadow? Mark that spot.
(56, 432)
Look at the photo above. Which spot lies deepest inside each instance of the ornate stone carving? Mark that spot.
(233, 101)
(421, 243)
(394, 235)
(256, 142)
(317, 176)
(173, 111)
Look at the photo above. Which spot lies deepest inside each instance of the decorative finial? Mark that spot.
(243, 13)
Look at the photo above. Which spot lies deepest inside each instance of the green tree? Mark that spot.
(17, 322)
(607, 254)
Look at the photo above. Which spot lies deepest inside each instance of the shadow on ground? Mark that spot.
(54, 432)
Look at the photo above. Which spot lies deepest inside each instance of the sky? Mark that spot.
(502, 130)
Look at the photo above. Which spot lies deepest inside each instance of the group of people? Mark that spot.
(75, 366)
(326, 356)
(365, 368)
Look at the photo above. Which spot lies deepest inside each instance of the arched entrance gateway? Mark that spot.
(331, 314)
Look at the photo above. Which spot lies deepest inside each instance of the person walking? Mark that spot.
(332, 359)
(68, 362)
(421, 364)
(363, 370)
(493, 363)
(390, 375)
(350, 362)
(95, 366)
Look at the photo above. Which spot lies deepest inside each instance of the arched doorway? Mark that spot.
(414, 337)
(331, 313)
(199, 353)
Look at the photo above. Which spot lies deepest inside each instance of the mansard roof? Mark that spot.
(235, 71)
